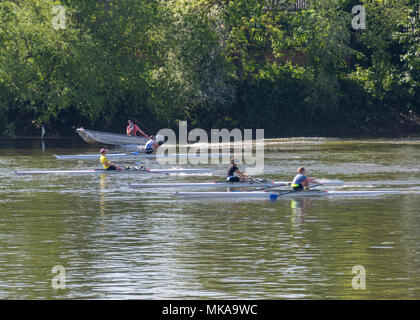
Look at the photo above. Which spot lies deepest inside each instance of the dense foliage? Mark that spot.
(216, 63)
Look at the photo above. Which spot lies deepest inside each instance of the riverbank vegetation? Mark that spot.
(290, 67)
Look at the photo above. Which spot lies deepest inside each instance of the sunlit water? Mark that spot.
(118, 243)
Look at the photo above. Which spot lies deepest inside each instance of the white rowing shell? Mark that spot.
(271, 194)
(101, 171)
(214, 184)
(134, 155)
(223, 184)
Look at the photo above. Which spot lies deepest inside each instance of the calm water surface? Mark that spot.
(119, 243)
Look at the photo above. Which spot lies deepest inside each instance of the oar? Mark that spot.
(143, 151)
(142, 126)
(275, 196)
(255, 180)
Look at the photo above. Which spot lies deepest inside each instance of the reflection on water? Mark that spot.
(298, 206)
(102, 186)
(117, 242)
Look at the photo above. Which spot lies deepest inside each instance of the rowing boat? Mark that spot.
(274, 195)
(97, 156)
(256, 183)
(102, 171)
(213, 184)
(95, 137)
(130, 155)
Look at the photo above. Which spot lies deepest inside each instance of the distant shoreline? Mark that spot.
(401, 136)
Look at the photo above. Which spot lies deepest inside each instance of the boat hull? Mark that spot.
(278, 195)
(102, 171)
(98, 137)
(214, 184)
(128, 155)
(97, 157)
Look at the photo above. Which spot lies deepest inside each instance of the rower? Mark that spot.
(233, 173)
(301, 181)
(132, 129)
(151, 145)
(108, 165)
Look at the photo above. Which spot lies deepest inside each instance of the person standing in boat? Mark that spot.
(132, 129)
(233, 173)
(301, 181)
(151, 146)
(108, 165)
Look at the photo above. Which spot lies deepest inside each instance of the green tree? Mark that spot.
(323, 34)
(384, 22)
(34, 60)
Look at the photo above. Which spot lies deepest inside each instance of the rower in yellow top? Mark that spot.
(301, 181)
(108, 165)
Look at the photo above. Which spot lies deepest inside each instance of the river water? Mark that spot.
(114, 242)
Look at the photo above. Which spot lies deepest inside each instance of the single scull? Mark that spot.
(282, 194)
(257, 183)
(102, 171)
(133, 155)
(98, 137)
(213, 184)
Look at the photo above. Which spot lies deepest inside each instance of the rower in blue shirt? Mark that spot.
(151, 146)
(301, 181)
